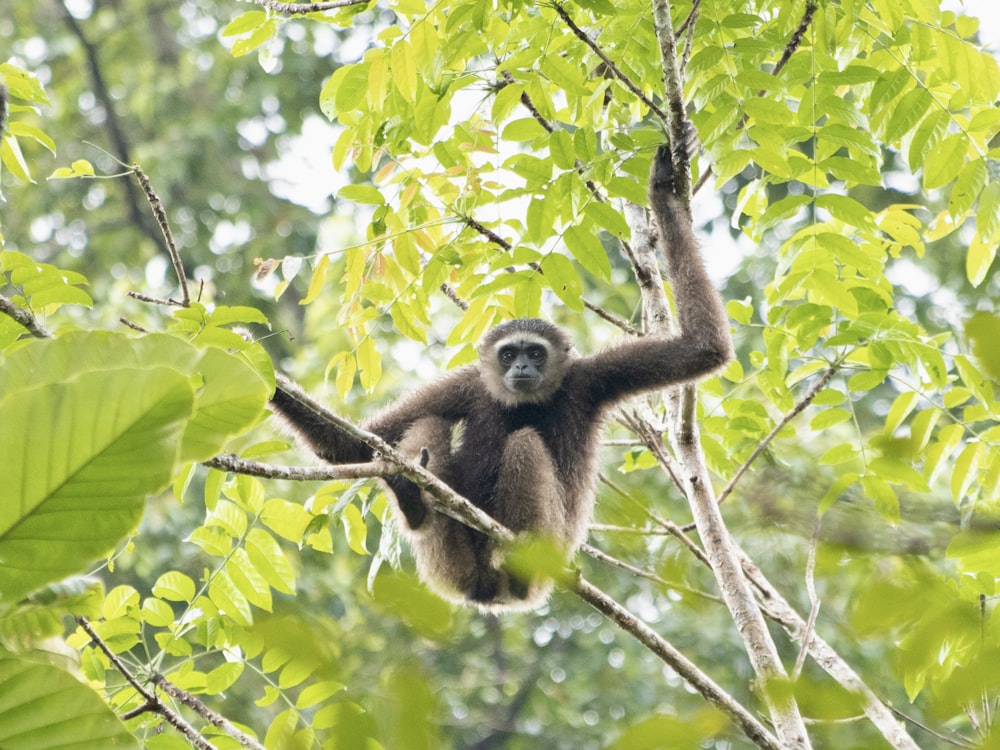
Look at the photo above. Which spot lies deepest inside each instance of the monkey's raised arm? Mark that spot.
(703, 343)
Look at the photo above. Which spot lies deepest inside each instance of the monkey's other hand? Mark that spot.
(425, 457)
(663, 162)
(663, 169)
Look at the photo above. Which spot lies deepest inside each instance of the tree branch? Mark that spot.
(701, 682)
(24, 318)
(718, 543)
(212, 717)
(301, 9)
(611, 65)
(152, 702)
(161, 219)
(116, 134)
(794, 412)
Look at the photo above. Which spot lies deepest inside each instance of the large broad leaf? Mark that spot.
(79, 459)
(230, 398)
(44, 708)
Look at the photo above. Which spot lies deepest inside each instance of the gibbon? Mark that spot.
(518, 432)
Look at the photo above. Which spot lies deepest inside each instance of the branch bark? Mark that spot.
(696, 483)
(152, 702)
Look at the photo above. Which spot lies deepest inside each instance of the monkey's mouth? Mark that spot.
(522, 382)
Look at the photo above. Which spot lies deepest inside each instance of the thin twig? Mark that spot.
(154, 300)
(700, 681)
(161, 219)
(792, 414)
(813, 602)
(604, 557)
(612, 66)
(212, 717)
(134, 326)
(793, 44)
(796, 38)
(324, 473)
(152, 702)
(301, 9)
(613, 319)
(450, 293)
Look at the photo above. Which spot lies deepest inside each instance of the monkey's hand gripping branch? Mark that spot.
(386, 464)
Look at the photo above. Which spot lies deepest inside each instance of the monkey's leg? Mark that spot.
(529, 497)
(450, 556)
(428, 439)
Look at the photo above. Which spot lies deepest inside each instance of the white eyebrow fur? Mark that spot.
(521, 338)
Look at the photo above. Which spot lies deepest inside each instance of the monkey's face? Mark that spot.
(523, 361)
(523, 364)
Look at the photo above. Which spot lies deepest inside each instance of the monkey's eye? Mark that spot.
(506, 356)
(536, 354)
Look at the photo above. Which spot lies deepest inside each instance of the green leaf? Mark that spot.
(839, 454)
(229, 599)
(43, 707)
(363, 194)
(345, 90)
(969, 184)
(983, 330)
(270, 560)
(965, 471)
(80, 459)
(838, 488)
(248, 579)
(945, 160)
(907, 112)
(175, 587)
(589, 251)
(255, 39)
(988, 214)
(562, 278)
(899, 410)
(245, 23)
(354, 529)
(223, 677)
(561, 150)
(286, 519)
(900, 472)
(883, 496)
(979, 259)
(829, 418)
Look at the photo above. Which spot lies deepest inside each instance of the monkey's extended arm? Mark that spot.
(703, 343)
(306, 418)
(446, 398)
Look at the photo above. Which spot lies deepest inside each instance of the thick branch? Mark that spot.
(778, 609)
(718, 543)
(701, 682)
